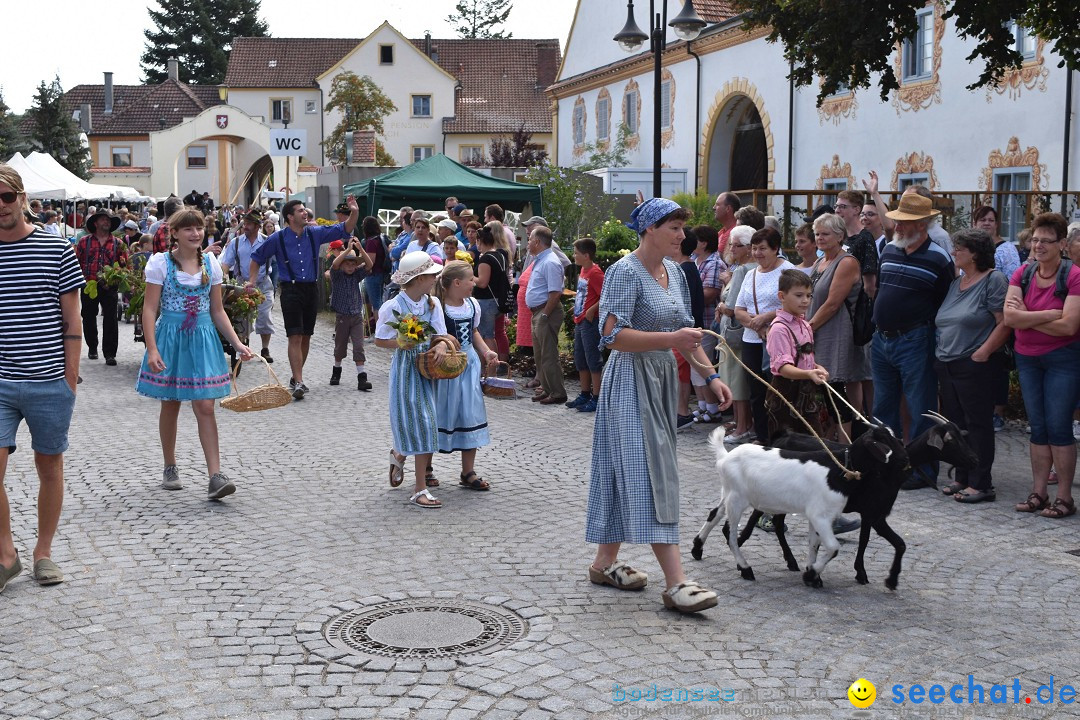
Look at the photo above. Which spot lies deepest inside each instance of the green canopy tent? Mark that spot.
(429, 182)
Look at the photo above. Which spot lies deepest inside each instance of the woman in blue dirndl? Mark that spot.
(184, 359)
(460, 401)
(413, 418)
(634, 483)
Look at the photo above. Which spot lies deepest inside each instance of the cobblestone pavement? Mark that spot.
(176, 607)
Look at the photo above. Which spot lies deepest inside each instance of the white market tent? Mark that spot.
(46, 179)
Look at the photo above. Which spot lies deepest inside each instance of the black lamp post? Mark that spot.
(687, 26)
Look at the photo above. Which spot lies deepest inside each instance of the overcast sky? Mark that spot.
(87, 39)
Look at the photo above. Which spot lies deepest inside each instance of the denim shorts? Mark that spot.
(47, 408)
(587, 346)
(1050, 384)
(488, 310)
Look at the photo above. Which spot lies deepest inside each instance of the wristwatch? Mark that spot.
(543, 315)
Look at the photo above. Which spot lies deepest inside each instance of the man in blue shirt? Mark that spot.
(236, 258)
(543, 295)
(295, 248)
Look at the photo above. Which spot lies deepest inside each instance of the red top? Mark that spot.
(93, 255)
(1030, 341)
(590, 282)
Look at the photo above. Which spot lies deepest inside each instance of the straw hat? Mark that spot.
(413, 265)
(913, 207)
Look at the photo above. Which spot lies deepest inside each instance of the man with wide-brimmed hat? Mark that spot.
(95, 250)
(914, 280)
(236, 259)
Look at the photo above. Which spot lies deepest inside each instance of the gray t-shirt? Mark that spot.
(966, 318)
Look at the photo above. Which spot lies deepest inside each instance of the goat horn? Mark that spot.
(939, 419)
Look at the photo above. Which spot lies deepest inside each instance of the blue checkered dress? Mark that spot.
(621, 506)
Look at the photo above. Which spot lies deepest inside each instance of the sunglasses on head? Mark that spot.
(9, 197)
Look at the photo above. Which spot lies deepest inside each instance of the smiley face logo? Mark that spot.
(862, 693)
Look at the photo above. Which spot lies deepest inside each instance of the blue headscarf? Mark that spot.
(650, 212)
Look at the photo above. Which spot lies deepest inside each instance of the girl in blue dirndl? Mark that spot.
(184, 359)
(460, 401)
(413, 417)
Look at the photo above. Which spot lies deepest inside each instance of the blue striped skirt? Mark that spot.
(413, 418)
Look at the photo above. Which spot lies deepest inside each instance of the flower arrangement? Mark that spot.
(464, 256)
(411, 330)
(241, 302)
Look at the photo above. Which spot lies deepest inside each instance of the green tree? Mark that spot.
(848, 41)
(198, 33)
(55, 131)
(11, 140)
(363, 106)
(479, 18)
(571, 207)
(608, 154)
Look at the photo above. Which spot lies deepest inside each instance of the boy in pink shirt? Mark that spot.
(791, 358)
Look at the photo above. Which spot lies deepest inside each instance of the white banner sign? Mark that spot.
(288, 142)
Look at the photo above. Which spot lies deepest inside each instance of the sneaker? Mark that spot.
(110, 361)
(1076, 429)
(219, 487)
(843, 525)
(91, 355)
(170, 478)
(362, 382)
(299, 390)
(292, 384)
(683, 422)
(335, 376)
(765, 523)
(738, 439)
(999, 423)
(266, 355)
(580, 400)
(589, 406)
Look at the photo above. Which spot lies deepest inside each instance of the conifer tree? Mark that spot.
(55, 131)
(198, 33)
(480, 18)
(11, 140)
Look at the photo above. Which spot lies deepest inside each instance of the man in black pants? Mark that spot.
(296, 247)
(95, 251)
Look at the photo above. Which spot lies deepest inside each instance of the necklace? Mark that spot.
(973, 279)
(1047, 277)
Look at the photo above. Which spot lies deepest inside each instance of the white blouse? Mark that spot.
(157, 268)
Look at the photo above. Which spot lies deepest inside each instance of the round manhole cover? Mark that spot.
(426, 629)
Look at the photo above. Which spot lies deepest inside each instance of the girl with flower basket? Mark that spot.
(407, 324)
(184, 359)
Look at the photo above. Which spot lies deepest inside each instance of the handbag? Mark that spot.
(498, 387)
(449, 367)
(264, 397)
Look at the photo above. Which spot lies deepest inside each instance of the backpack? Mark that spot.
(388, 263)
(1061, 286)
(862, 318)
(504, 295)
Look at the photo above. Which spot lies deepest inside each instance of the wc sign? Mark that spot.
(288, 143)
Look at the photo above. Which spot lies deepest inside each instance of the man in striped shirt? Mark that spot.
(914, 280)
(40, 343)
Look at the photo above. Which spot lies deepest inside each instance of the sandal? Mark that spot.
(477, 482)
(397, 469)
(430, 502)
(619, 575)
(705, 418)
(430, 480)
(1060, 509)
(978, 496)
(688, 597)
(1034, 503)
(954, 488)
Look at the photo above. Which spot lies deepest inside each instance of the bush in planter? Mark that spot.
(614, 236)
(700, 204)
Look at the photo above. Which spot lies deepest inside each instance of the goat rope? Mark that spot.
(724, 349)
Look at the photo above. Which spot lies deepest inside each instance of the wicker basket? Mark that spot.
(498, 387)
(264, 397)
(451, 365)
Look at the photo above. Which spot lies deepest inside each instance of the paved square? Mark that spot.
(176, 607)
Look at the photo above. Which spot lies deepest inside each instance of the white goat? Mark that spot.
(782, 482)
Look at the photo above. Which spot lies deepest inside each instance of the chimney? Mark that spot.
(547, 64)
(363, 147)
(86, 123)
(174, 69)
(108, 93)
(427, 44)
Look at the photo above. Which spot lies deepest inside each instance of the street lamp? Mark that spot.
(687, 26)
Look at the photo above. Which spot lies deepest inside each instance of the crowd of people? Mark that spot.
(895, 316)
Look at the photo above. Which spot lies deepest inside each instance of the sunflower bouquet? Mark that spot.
(411, 330)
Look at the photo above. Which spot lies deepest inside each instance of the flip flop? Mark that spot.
(397, 470)
(46, 572)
